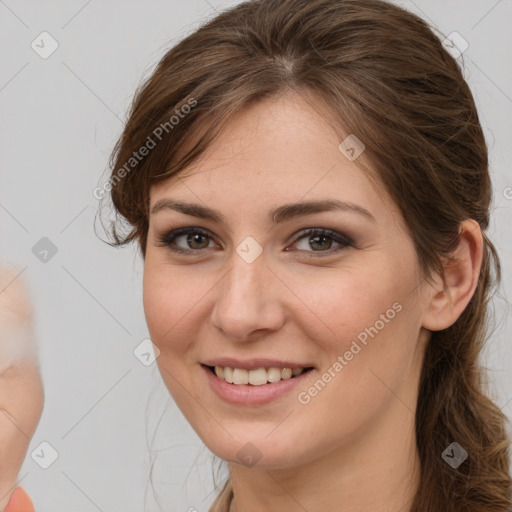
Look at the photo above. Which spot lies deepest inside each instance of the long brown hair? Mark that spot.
(388, 79)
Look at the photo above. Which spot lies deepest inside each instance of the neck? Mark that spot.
(378, 470)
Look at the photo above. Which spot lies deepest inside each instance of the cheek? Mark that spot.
(165, 306)
(168, 310)
(374, 324)
(370, 320)
(341, 307)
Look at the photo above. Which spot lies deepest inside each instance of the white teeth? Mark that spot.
(274, 374)
(240, 376)
(256, 377)
(286, 373)
(228, 375)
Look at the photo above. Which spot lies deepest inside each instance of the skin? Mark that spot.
(353, 443)
(360, 453)
(21, 388)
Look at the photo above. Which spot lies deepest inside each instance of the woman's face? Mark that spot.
(252, 287)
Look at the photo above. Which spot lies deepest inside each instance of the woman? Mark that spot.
(323, 336)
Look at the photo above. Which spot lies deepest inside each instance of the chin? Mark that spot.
(254, 448)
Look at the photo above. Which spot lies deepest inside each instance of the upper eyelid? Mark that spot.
(301, 233)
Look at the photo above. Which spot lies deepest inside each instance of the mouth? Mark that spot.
(256, 377)
(254, 387)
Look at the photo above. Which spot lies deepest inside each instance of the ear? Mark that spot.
(448, 300)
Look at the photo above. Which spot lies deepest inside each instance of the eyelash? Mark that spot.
(168, 238)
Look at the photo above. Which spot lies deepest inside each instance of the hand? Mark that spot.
(21, 388)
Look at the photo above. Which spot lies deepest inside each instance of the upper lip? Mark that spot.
(253, 364)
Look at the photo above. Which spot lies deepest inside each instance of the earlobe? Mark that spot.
(449, 299)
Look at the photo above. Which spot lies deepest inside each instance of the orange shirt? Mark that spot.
(20, 502)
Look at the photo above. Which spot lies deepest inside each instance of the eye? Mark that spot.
(194, 237)
(320, 238)
(197, 239)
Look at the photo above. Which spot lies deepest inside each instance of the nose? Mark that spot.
(248, 300)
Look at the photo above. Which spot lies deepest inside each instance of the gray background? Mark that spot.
(60, 119)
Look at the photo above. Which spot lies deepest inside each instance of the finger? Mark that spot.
(17, 339)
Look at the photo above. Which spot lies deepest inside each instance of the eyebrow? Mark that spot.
(276, 215)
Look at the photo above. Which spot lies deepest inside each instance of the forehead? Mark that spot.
(279, 150)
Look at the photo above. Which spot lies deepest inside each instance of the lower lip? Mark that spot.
(247, 394)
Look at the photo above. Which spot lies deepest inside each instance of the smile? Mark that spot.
(256, 377)
(242, 392)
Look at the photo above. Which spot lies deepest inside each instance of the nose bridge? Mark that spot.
(245, 280)
(245, 301)
(243, 286)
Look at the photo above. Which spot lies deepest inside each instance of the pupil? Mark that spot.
(194, 237)
(319, 237)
